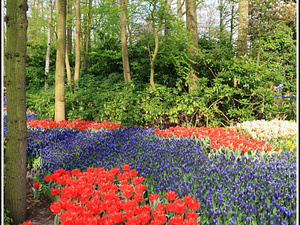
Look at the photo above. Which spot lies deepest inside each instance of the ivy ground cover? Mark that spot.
(254, 190)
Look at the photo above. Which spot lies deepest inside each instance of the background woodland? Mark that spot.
(163, 63)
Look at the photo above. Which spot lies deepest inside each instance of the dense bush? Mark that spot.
(35, 67)
(138, 105)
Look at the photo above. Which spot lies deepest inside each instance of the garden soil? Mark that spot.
(38, 212)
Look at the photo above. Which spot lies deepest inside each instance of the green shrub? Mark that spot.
(6, 219)
(42, 102)
(35, 67)
(135, 104)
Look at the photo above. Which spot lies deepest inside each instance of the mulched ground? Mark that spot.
(38, 212)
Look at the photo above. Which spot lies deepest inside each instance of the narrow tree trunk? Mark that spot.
(221, 17)
(77, 44)
(152, 60)
(179, 9)
(69, 28)
(88, 36)
(16, 138)
(231, 21)
(68, 70)
(4, 47)
(129, 28)
(48, 43)
(60, 61)
(191, 20)
(129, 34)
(166, 22)
(34, 14)
(243, 28)
(84, 35)
(125, 59)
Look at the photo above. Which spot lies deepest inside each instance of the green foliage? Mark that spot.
(106, 58)
(213, 56)
(230, 89)
(35, 67)
(165, 68)
(136, 104)
(279, 53)
(42, 101)
(6, 219)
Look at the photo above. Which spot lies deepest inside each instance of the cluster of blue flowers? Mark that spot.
(279, 88)
(4, 101)
(29, 116)
(260, 189)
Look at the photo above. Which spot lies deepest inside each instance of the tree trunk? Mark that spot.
(77, 44)
(191, 20)
(243, 28)
(88, 36)
(231, 21)
(221, 17)
(16, 138)
(4, 47)
(179, 9)
(129, 34)
(34, 15)
(60, 61)
(125, 59)
(153, 58)
(69, 28)
(68, 70)
(48, 43)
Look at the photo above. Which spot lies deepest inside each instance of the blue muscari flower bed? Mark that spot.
(231, 192)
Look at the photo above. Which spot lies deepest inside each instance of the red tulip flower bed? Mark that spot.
(97, 197)
(75, 124)
(218, 137)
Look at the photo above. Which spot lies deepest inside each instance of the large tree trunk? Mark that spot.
(125, 59)
(60, 61)
(191, 20)
(48, 43)
(77, 44)
(16, 138)
(69, 28)
(243, 28)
